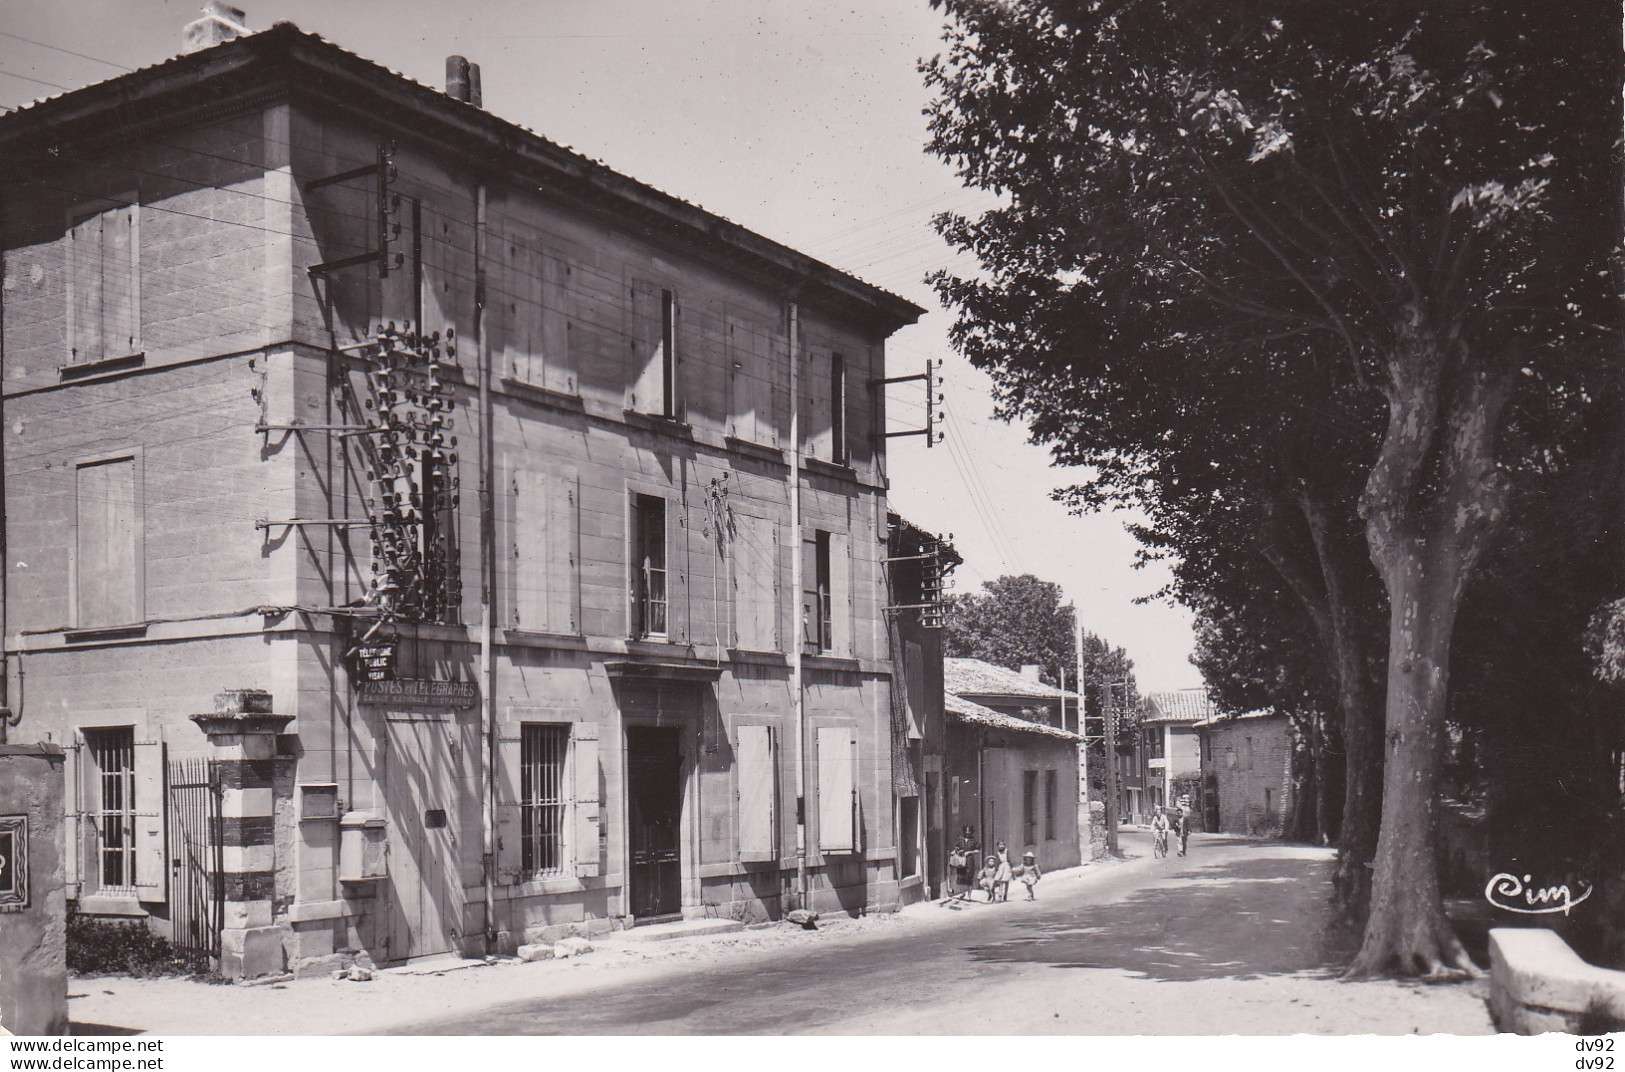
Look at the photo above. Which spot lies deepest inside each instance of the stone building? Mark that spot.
(1246, 773)
(1012, 775)
(544, 613)
(1168, 749)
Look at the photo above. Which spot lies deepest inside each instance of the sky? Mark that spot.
(803, 122)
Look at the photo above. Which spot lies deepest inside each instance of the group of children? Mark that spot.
(996, 874)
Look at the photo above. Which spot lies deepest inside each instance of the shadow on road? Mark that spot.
(1243, 920)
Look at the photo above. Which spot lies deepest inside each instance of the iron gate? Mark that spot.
(197, 877)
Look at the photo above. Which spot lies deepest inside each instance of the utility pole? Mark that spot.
(1086, 817)
(1111, 766)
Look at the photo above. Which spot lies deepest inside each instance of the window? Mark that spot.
(648, 566)
(818, 627)
(1049, 805)
(107, 589)
(1029, 807)
(1267, 804)
(908, 836)
(837, 409)
(542, 801)
(103, 285)
(1153, 742)
(112, 807)
(1249, 753)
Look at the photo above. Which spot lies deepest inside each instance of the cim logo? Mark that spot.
(1511, 894)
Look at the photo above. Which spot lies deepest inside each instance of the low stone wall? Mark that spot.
(1539, 984)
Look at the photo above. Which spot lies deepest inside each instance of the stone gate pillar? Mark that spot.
(243, 731)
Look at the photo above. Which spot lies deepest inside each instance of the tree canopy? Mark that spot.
(1353, 263)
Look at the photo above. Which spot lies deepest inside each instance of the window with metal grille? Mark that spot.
(648, 566)
(1029, 807)
(543, 801)
(112, 806)
(1049, 805)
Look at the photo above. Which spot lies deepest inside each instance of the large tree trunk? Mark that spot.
(1363, 782)
(1430, 503)
(1407, 931)
(1329, 781)
(1337, 598)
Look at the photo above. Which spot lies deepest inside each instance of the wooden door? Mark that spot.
(421, 787)
(654, 776)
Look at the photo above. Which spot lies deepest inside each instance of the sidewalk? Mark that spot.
(398, 998)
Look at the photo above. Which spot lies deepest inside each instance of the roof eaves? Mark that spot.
(286, 41)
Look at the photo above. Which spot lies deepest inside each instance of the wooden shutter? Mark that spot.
(837, 789)
(563, 556)
(85, 289)
(586, 807)
(531, 551)
(509, 830)
(840, 594)
(120, 282)
(104, 552)
(754, 760)
(448, 273)
(73, 812)
(648, 369)
(151, 859)
(755, 562)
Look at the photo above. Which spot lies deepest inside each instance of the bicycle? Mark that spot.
(1159, 844)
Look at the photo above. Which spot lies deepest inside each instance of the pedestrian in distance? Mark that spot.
(988, 878)
(1003, 874)
(1182, 826)
(1030, 874)
(963, 861)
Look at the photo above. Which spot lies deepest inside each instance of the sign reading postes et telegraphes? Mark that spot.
(416, 692)
(13, 862)
(374, 662)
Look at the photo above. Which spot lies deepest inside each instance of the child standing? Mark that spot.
(1030, 874)
(988, 877)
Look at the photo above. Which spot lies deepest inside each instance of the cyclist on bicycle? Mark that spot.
(1159, 833)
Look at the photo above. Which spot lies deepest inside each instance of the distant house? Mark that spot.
(1011, 771)
(1246, 772)
(1169, 746)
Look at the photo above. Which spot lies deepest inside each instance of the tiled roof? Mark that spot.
(1217, 719)
(1182, 705)
(973, 677)
(960, 709)
(285, 35)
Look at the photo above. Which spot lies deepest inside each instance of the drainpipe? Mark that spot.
(488, 721)
(796, 610)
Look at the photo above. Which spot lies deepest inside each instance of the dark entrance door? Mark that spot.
(654, 769)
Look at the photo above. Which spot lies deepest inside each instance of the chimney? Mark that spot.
(220, 23)
(463, 81)
(1029, 672)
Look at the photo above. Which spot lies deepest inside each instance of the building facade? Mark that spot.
(1169, 751)
(1246, 773)
(415, 503)
(1012, 775)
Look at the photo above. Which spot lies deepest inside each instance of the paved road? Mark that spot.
(1136, 944)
